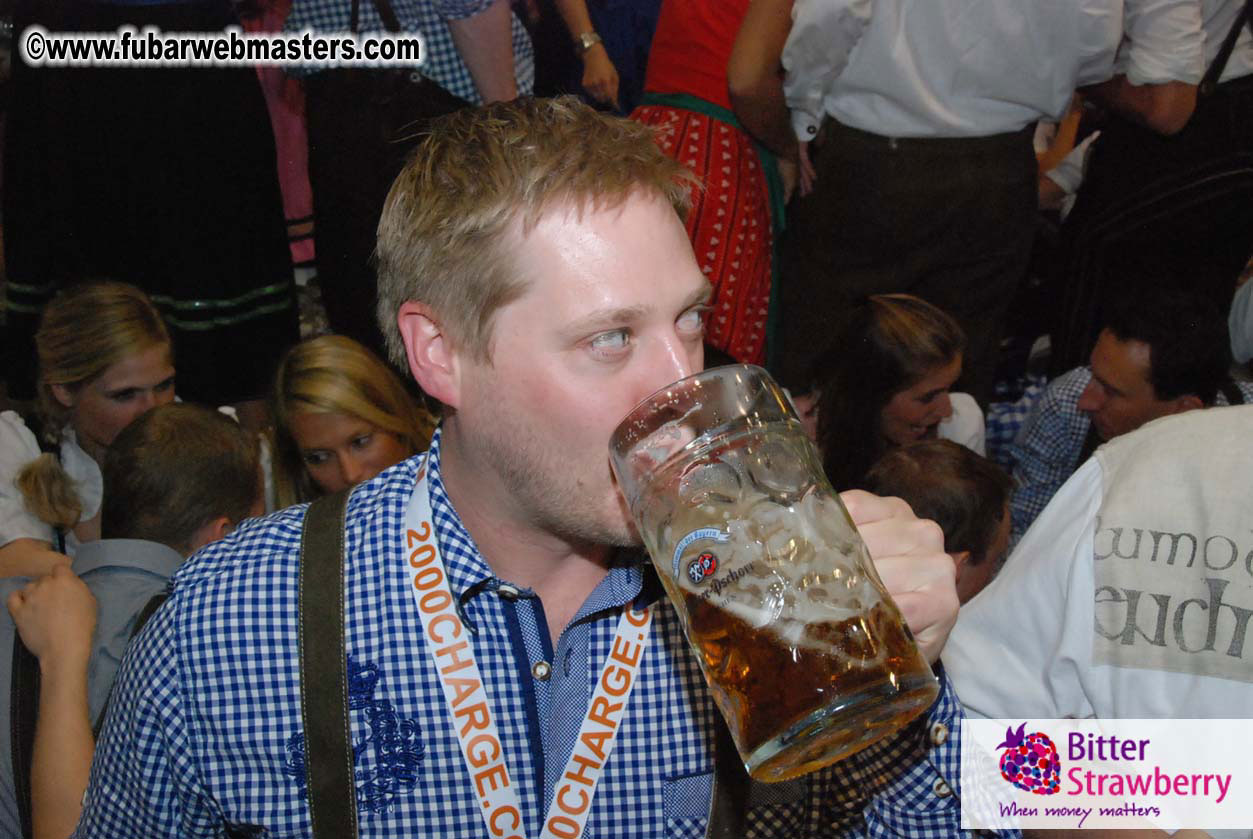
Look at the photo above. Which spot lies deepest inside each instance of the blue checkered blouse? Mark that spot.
(428, 18)
(204, 726)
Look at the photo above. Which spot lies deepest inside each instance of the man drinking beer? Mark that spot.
(536, 279)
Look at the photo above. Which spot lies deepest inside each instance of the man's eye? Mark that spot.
(693, 320)
(315, 458)
(123, 396)
(168, 384)
(362, 441)
(610, 341)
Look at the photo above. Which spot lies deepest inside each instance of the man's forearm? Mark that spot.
(764, 114)
(1164, 108)
(754, 78)
(29, 558)
(63, 749)
(485, 42)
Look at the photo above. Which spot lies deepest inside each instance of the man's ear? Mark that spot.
(210, 531)
(63, 396)
(1187, 402)
(433, 360)
(962, 560)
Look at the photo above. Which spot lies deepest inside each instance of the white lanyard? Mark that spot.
(466, 694)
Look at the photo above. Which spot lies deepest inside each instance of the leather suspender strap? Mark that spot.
(23, 708)
(386, 13)
(24, 681)
(324, 673)
(728, 801)
(149, 609)
(1210, 81)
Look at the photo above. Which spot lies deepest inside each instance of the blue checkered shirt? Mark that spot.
(204, 726)
(1006, 415)
(429, 18)
(1046, 451)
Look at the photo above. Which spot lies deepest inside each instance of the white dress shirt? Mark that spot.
(1176, 40)
(944, 68)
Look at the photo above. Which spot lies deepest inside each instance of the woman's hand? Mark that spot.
(600, 77)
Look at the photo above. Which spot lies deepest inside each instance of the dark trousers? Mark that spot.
(1180, 207)
(362, 125)
(949, 220)
(165, 178)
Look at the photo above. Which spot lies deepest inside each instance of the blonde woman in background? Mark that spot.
(104, 359)
(341, 416)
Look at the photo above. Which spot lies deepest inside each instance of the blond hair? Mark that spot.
(333, 374)
(442, 238)
(84, 331)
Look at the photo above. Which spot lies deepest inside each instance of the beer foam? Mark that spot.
(785, 567)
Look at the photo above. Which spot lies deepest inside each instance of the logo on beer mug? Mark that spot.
(702, 568)
(711, 533)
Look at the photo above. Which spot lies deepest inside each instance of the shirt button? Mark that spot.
(941, 789)
(812, 130)
(939, 734)
(508, 592)
(541, 670)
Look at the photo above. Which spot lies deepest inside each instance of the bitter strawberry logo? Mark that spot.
(1030, 761)
(702, 568)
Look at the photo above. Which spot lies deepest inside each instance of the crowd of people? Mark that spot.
(207, 523)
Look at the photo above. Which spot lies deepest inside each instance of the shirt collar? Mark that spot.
(141, 554)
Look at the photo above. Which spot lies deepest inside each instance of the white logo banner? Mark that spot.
(1107, 774)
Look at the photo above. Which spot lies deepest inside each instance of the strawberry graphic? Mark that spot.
(1030, 762)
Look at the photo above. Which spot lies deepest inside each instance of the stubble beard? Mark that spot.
(546, 487)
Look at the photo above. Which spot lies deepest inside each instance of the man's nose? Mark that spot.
(946, 406)
(675, 359)
(1091, 398)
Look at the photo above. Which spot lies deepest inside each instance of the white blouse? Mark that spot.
(19, 447)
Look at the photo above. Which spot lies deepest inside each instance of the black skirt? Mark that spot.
(161, 177)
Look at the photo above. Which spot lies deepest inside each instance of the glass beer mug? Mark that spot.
(808, 658)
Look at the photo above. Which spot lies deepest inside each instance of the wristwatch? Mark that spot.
(586, 41)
